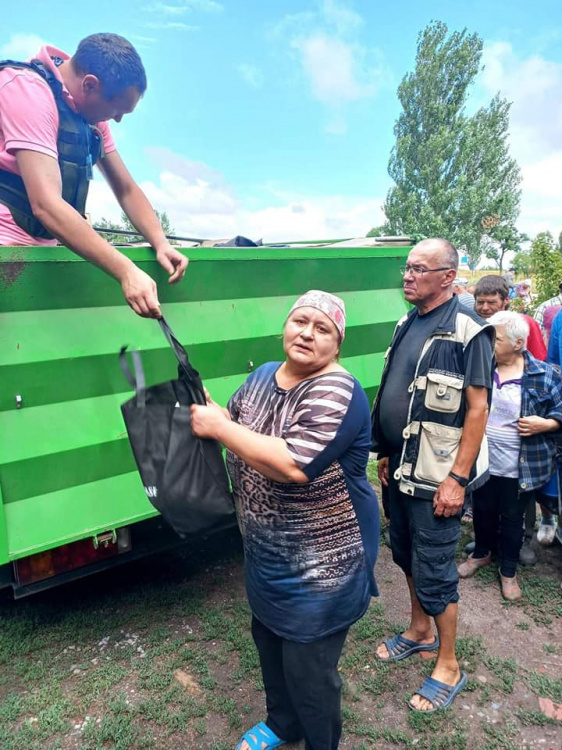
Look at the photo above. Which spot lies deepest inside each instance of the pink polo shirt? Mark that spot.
(29, 120)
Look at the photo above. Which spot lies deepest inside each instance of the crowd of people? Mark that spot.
(452, 424)
(464, 410)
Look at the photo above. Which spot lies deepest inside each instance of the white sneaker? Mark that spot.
(546, 533)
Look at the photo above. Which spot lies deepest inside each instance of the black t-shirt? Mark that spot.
(395, 398)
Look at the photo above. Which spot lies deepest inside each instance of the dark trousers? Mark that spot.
(302, 687)
(499, 504)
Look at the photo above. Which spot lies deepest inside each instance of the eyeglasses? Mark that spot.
(419, 270)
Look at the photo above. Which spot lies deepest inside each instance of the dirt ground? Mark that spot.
(158, 655)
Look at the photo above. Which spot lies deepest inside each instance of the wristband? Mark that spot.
(463, 481)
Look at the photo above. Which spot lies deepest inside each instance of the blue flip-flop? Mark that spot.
(399, 647)
(439, 694)
(256, 736)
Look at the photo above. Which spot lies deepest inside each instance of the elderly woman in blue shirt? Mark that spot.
(526, 409)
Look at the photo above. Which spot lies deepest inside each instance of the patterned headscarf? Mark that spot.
(327, 303)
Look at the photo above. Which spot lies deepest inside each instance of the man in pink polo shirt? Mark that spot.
(103, 81)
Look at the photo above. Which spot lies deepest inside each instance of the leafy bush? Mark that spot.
(547, 266)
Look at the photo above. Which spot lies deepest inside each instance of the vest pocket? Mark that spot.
(443, 392)
(438, 449)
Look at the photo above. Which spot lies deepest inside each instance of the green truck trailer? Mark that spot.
(71, 501)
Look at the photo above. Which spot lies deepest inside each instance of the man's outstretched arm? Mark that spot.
(137, 207)
(42, 179)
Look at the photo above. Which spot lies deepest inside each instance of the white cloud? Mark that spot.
(170, 25)
(340, 16)
(534, 86)
(541, 200)
(334, 70)
(338, 73)
(185, 6)
(200, 203)
(142, 42)
(336, 66)
(251, 74)
(21, 46)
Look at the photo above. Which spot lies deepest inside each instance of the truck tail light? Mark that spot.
(71, 556)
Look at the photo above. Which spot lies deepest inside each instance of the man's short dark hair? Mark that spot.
(113, 60)
(492, 284)
(560, 287)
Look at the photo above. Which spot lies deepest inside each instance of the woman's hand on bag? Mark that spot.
(206, 421)
(210, 402)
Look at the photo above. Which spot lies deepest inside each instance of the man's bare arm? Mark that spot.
(449, 498)
(137, 207)
(42, 180)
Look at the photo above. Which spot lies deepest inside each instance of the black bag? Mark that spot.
(184, 476)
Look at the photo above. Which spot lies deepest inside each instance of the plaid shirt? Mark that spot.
(539, 312)
(541, 395)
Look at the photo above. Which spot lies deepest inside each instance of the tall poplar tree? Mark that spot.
(453, 174)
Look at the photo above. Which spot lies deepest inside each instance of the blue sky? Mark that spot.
(275, 118)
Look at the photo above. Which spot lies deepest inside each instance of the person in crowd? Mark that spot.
(428, 424)
(523, 292)
(471, 288)
(509, 277)
(543, 307)
(297, 435)
(54, 113)
(548, 317)
(492, 296)
(526, 409)
(460, 289)
(549, 496)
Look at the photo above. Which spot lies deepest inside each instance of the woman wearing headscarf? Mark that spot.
(297, 435)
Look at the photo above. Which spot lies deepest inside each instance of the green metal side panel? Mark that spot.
(66, 469)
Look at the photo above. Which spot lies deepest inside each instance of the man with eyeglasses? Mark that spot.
(429, 419)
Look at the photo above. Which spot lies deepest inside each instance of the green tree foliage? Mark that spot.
(451, 171)
(381, 231)
(546, 261)
(522, 263)
(502, 239)
(126, 225)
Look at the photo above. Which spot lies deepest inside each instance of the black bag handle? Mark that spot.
(137, 381)
(185, 365)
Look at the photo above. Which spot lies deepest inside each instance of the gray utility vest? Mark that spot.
(437, 406)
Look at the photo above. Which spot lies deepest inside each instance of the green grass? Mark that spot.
(94, 667)
(372, 474)
(531, 717)
(545, 686)
(505, 669)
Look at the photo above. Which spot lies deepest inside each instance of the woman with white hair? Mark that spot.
(526, 409)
